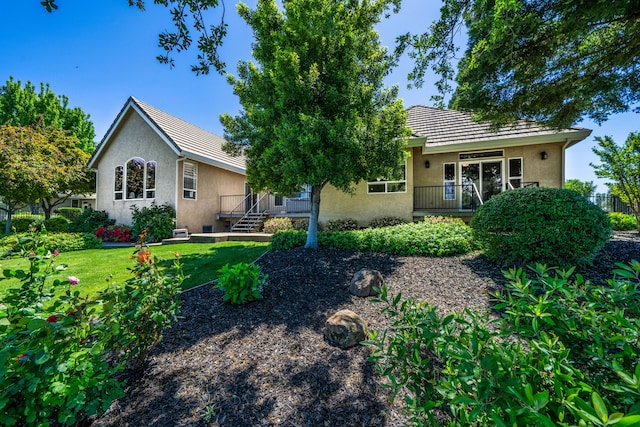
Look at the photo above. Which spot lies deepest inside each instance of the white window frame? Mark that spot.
(388, 185)
(150, 193)
(127, 195)
(448, 184)
(117, 192)
(513, 177)
(190, 193)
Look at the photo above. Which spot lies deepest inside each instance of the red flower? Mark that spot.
(22, 358)
(72, 313)
(52, 318)
(144, 256)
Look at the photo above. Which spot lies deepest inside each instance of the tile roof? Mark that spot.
(190, 139)
(446, 127)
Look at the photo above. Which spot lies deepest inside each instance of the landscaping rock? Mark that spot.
(345, 329)
(364, 281)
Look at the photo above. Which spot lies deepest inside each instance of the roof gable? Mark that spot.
(443, 128)
(184, 138)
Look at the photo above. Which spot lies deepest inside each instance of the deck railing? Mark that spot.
(238, 205)
(446, 198)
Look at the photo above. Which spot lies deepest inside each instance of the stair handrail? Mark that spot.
(249, 211)
(475, 189)
(242, 203)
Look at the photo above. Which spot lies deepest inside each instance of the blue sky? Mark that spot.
(100, 53)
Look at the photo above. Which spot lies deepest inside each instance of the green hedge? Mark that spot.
(623, 222)
(61, 242)
(546, 225)
(422, 238)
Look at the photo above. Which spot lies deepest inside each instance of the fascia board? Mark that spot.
(213, 162)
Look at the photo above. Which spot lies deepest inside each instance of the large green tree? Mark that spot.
(315, 110)
(26, 106)
(554, 61)
(621, 164)
(585, 188)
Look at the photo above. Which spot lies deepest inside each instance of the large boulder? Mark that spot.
(363, 282)
(345, 329)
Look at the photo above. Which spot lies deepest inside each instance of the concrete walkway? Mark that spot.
(219, 237)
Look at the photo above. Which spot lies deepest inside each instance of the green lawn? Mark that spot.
(97, 267)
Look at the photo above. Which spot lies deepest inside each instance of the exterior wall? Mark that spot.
(547, 172)
(363, 207)
(212, 182)
(134, 138)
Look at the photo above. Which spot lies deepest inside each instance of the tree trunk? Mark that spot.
(312, 232)
(7, 227)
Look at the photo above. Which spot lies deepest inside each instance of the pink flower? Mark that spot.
(56, 253)
(22, 358)
(52, 318)
(73, 280)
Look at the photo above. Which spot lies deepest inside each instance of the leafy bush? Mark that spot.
(20, 223)
(156, 222)
(565, 353)
(273, 225)
(442, 220)
(301, 224)
(386, 221)
(90, 220)
(423, 238)
(547, 225)
(344, 224)
(60, 354)
(61, 242)
(241, 283)
(56, 224)
(623, 222)
(70, 213)
(115, 233)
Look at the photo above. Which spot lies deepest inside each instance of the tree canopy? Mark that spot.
(585, 188)
(38, 163)
(315, 110)
(24, 106)
(553, 61)
(621, 164)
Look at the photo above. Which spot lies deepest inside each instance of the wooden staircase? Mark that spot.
(250, 222)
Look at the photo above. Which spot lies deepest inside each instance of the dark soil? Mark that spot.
(266, 363)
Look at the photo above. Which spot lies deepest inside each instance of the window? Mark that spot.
(381, 186)
(118, 193)
(135, 178)
(75, 203)
(278, 200)
(449, 179)
(189, 180)
(151, 180)
(515, 172)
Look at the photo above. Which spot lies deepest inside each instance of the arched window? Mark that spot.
(135, 179)
(151, 180)
(118, 187)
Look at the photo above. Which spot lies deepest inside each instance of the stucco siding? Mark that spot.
(363, 207)
(212, 182)
(134, 138)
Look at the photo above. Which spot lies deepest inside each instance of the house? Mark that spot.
(453, 165)
(150, 156)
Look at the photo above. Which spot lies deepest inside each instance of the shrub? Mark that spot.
(344, 224)
(386, 221)
(439, 239)
(61, 242)
(623, 222)
(442, 220)
(301, 224)
(273, 225)
(115, 233)
(70, 213)
(56, 224)
(61, 353)
(241, 283)
(21, 222)
(156, 222)
(547, 225)
(90, 220)
(574, 362)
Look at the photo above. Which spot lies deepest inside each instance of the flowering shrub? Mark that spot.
(343, 224)
(115, 233)
(59, 352)
(273, 225)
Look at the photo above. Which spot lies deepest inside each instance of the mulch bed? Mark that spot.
(267, 364)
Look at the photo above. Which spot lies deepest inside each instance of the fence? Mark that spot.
(610, 203)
